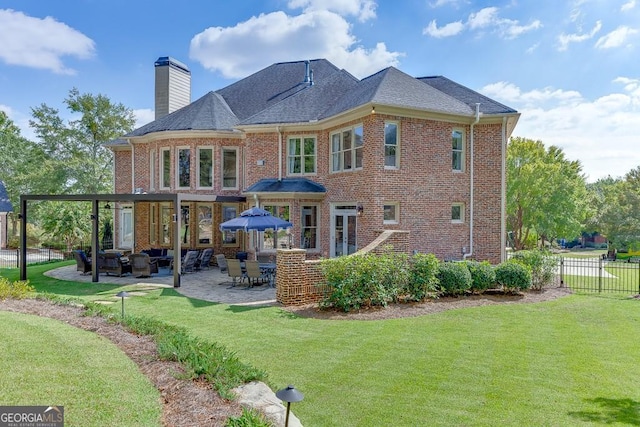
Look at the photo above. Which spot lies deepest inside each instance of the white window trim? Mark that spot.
(463, 152)
(461, 220)
(260, 234)
(397, 165)
(152, 170)
(397, 218)
(162, 167)
(222, 233)
(351, 150)
(198, 150)
(237, 167)
(177, 170)
(302, 156)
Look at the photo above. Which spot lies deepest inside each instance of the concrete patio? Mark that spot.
(208, 285)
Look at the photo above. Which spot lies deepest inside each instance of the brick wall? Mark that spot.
(300, 281)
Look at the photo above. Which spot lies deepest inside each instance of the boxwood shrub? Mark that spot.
(423, 277)
(513, 276)
(542, 264)
(483, 276)
(454, 278)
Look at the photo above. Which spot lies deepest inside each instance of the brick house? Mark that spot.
(342, 159)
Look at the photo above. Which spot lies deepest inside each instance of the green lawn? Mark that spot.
(572, 361)
(47, 362)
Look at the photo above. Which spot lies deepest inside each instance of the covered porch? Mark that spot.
(177, 223)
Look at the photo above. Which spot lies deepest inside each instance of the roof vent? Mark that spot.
(308, 73)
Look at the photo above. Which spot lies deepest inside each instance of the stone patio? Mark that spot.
(208, 285)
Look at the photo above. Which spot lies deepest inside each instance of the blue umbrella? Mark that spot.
(255, 219)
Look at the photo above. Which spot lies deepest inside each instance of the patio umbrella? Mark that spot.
(255, 219)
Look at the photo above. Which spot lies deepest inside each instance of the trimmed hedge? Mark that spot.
(483, 275)
(513, 276)
(454, 277)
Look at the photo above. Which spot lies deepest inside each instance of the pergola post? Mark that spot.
(95, 245)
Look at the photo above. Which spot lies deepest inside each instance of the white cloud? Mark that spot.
(451, 29)
(143, 116)
(487, 18)
(362, 9)
(565, 39)
(616, 38)
(628, 6)
(600, 133)
(439, 3)
(40, 43)
(275, 37)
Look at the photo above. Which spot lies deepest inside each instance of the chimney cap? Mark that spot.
(167, 60)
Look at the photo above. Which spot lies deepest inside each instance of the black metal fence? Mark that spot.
(598, 275)
(10, 258)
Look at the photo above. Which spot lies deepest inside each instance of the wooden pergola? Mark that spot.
(175, 199)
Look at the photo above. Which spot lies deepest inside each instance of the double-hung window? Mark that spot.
(457, 153)
(165, 161)
(391, 149)
(205, 167)
(457, 213)
(301, 155)
(183, 166)
(230, 168)
(229, 238)
(346, 149)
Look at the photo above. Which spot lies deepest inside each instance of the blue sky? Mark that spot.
(570, 68)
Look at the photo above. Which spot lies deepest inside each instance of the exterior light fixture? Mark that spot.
(289, 395)
(122, 295)
(373, 109)
(359, 209)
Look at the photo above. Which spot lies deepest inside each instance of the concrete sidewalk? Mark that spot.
(208, 285)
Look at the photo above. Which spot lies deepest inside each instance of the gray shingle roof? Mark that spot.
(5, 203)
(279, 94)
(210, 112)
(286, 185)
(466, 95)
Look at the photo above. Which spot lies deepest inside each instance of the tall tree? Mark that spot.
(546, 193)
(78, 146)
(616, 204)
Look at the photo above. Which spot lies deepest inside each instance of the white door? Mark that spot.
(125, 235)
(343, 231)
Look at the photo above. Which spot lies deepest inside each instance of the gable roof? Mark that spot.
(466, 95)
(282, 93)
(5, 203)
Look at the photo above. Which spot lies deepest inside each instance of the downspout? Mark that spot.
(279, 153)
(503, 192)
(471, 183)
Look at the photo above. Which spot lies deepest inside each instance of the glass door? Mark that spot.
(343, 231)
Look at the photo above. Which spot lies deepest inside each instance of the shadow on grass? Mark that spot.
(195, 303)
(245, 308)
(612, 411)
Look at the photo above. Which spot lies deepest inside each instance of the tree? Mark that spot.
(68, 221)
(78, 146)
(616, 205)
(546, 193)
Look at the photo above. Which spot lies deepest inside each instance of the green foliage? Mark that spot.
(67, 221)
(423, 277)
(542, 265)
(364, 280)
(454, 278)
(546, 193)
(249, 418)
(513, 276)
(19, 289)
(483, 276)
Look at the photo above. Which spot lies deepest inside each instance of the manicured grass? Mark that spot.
(46, 362)
(572, 361)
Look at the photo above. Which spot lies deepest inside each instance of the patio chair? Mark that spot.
(188, 264)
(142, 265)
(204, 259)
(112, 263)
(253, 272)
(222, 262)
(234, 270)
(82, 262)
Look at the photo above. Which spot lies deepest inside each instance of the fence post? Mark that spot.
(638, 264)
(562, 272)
(18, 258)
(600, 268)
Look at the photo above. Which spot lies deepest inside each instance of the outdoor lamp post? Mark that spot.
(289, 395)
(122, 295)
